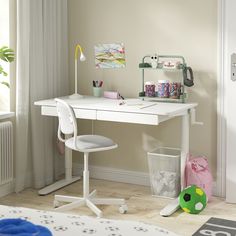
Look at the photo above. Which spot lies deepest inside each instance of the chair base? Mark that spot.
(91, 201)
(57, 185)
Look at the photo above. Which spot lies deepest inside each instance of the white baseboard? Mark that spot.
(214, 190)
(116, 175)
(119, 175)
(6, 189)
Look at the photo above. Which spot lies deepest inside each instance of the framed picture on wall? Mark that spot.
(110, 55)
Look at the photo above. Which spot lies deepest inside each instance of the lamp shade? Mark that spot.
(82, 57)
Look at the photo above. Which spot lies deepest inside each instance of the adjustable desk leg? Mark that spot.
(69, 179)
(184, 146)
(174, 205)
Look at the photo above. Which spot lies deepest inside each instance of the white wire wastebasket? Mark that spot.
(164, 170)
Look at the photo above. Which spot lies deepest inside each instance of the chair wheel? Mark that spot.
(123, 209)
(56, 204)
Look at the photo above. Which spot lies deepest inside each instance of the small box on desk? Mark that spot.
(164, 168)
(111, 94)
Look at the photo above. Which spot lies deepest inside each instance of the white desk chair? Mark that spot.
(85, 144)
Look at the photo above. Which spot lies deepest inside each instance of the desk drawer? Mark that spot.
(79, 113)
(127, 117)
(48, 111)
(85, 114)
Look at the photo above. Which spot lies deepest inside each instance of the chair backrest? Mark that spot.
(67, 121)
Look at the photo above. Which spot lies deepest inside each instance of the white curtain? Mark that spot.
(42, 73)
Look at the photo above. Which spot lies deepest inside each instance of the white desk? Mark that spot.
(132, 111)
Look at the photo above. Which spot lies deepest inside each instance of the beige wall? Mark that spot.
(183, 27)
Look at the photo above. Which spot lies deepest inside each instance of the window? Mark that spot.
(4, 41)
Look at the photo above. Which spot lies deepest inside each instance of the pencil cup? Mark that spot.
(97, 91)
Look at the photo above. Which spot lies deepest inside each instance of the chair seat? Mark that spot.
(90, 143)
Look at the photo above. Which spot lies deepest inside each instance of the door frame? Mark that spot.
(221, 104)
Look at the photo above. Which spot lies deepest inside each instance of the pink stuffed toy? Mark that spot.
(197, 172)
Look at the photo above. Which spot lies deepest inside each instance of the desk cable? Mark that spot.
(92, 126)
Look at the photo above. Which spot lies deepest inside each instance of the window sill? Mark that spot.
(6, 114)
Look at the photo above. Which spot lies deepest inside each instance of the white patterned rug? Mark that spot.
(61, 224)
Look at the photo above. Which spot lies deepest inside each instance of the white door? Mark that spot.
(229, 34)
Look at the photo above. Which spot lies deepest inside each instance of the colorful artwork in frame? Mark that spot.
(110, 55)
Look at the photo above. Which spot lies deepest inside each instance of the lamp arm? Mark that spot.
(76, 82)
(78, 47)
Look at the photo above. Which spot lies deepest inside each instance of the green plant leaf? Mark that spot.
(5, 83)
(7, 54)
(2, 71)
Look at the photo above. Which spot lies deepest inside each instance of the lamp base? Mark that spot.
(76, 96)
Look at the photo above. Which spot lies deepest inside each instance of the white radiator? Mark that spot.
(6, 152)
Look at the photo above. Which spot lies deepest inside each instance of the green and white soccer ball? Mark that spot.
(193, 199)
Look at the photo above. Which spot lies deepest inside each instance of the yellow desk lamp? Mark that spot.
(82, 58)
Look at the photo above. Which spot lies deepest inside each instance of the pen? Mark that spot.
(121, 103)
(121, 97)
(97, 83)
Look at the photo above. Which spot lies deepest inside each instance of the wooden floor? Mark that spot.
(142, 206)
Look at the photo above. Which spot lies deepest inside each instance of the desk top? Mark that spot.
(130, 105)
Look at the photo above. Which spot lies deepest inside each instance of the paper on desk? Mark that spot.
(139, 104)
(129, 105)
